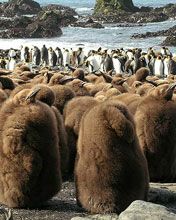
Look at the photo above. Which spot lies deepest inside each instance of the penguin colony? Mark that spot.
(112, 132)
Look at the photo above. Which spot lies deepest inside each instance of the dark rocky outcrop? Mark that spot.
(170, 32)
(139, 15)
(46, 23)
(89, 23)
(104, 6)
(19, 7)
(17, 22)
(170, 35)
(65, 15)
(170, 41)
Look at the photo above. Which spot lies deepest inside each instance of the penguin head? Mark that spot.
(26, 96)
(164, 91)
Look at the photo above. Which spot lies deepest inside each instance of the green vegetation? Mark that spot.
(105, 6)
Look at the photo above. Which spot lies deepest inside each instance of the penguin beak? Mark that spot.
(151, 82)
(169, 92)
(82, 84)
(171, 87)
(33, 94)
(66, 79)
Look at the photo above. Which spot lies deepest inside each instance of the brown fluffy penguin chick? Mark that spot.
(47, 96)
(78, 87)
(63, 144)
(79, 74)
(39, 79)
(24, 68)
(100, 87)
(7, 83)
(156, 129)
(63, 94)
(29, 153)
(130, 100)
(144, 89)
(117, 83)
(59, 78)
(140, 75)
(112, 92)
(3, 97)
(20, 88)
(73, 113)
(91, 78)
(110, 170)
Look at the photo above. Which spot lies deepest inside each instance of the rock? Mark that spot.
(14, 33)
(170, 34)
(19, 7)
(164, 194)
(17, 22)
(38, 30)
(102, 6)
(90, 23)
(141, 15)
(46, 26)
(170, 41)
(98, 217)
(64, 10)
(141, 210)
(5, 213)
(65, 15)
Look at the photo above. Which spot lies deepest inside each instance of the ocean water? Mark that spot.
(110, 37)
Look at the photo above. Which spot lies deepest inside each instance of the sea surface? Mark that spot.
(110, 37)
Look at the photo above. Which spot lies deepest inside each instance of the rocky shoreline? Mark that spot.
(47, 21)
(170, 34)
(142, 15)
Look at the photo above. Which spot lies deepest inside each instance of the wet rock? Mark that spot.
(45, 27)
(39, 30)
(170, 34)
(64, 10)
(144, 210)
(65, 15)
(170, 41)
(45, 24)
(17, 22)
(19, 7)
(90, 23)
(142, 15)
(104, 6)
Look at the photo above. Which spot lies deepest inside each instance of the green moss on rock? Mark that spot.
(102, 6)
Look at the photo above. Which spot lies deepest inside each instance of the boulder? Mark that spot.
(48, 20)
(45, 26)
(104, 6)
(17, 22)
(107, 12)
(90, 23)
(65, 15)
(145, 210)
(19, 7)
(170, 41)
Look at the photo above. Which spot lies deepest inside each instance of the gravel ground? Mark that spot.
(63, 205)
